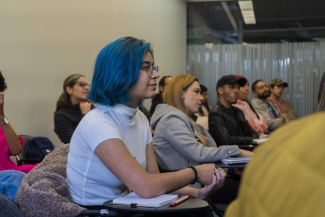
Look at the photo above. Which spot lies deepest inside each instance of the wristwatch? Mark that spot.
(4, 122)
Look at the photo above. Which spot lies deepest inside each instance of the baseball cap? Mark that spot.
(231, 79)
(278, 82)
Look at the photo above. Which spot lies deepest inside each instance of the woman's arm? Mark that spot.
(116, 157)
(204, 193)
(180, 136)
(8, 131)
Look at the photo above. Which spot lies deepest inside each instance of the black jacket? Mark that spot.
(229, 126)
(155, 101)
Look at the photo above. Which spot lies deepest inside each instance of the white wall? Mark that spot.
(42, 42)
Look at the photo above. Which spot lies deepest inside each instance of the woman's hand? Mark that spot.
(85, 107)
(218, 181)
(245, 153)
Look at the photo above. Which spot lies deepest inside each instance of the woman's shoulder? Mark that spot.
(170, 112)
(166, 115)
(68, 110)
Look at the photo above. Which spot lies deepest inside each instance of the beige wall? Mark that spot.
(42, 42)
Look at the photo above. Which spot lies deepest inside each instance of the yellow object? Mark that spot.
(286, 176)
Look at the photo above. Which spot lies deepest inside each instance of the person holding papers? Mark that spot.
(111, 150)
(179, 142)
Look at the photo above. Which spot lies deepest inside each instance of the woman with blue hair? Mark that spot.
(111, 150)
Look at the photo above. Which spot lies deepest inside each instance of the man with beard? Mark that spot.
(227, 124)
(276, 87)
(269, 111)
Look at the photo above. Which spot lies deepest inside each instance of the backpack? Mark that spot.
(37, 148)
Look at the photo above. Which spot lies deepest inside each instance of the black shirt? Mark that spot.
(66, 121)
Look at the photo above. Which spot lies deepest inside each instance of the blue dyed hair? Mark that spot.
(117, 70)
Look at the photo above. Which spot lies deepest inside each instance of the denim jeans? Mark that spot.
(9, 183)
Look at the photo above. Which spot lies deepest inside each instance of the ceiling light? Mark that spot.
(247, 11)
(249, 20)
(245, 5)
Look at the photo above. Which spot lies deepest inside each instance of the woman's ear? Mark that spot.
(183, 97)
(69, 90)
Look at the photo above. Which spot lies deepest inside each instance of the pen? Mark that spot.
(180, 200)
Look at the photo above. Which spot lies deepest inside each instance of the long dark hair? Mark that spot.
(205, 104)
(321, 95)
(3, 84)
(250, 105)
(65, 100)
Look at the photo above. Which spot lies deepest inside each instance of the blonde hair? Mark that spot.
(173, 97)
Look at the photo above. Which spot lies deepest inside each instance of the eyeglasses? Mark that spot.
(83, 84)
(146, 67)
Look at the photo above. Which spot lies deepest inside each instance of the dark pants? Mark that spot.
(227, 193)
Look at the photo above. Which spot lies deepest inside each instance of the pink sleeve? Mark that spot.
(264, 124)
(21, 140)
(252, 119)
(255, 126)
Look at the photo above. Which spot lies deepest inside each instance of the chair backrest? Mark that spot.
(21, 155)
(38, 148)
(34, 149)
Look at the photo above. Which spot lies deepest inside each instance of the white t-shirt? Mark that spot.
(90, 181)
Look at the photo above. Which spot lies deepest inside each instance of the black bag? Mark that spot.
(37, 148)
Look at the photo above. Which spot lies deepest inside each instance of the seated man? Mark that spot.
(158, 97)
(276, 87)
(269, 111)
(227, 124)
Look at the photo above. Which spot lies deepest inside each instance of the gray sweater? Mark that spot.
(261, 108)
(175, 144)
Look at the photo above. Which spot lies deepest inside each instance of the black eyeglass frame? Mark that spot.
(146, 67)
(83, 84)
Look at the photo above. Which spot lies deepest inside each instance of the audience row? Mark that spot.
(112, 150)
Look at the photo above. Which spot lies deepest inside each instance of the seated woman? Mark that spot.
(111, 150)
(256, 121)
(10, 143)
(71, 106)
(178, 141)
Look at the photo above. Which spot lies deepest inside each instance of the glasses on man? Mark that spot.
(146, 67)
(83, 84)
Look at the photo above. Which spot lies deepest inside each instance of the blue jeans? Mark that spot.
(9, 183)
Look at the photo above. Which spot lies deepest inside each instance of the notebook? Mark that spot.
(259, 141)
(236, 160)
(136, 200)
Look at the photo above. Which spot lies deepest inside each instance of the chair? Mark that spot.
(23, 158)
(9, 208)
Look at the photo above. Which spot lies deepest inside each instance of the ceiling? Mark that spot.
(276, 21)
